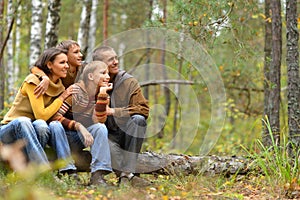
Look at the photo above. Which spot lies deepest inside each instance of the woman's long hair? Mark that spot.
(48, 55)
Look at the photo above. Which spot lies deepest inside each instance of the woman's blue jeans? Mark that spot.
(22, 128)
(55, 136)
(100, 151)
(37, 134)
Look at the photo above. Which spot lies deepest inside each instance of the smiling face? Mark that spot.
(102, 75)
(111, 59)
(74, 56)
(58, 67)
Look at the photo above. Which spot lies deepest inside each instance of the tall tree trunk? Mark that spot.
(292, 60)
(177, 91)
(122, 45)
(36, 31)
(83, 33)
(164, 71)
(9, 70)
(274, 97)
(18, 42)
(146, 90)
(53, 18)
(1, 63)
(268, 49)
(163, 55)
(93, 26)
(105, 18)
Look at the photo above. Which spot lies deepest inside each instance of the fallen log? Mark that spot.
(150, 162)
(165, 164)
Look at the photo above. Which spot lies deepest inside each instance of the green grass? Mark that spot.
(277, 176)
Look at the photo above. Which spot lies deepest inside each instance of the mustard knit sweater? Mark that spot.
(26, 104)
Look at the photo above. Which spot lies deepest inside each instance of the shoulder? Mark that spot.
(124, 74)
(82, 95)
(32, 78)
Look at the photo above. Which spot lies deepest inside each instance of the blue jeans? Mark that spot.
(55, 136)
(100, 148)
(42, 130)
(22, 128)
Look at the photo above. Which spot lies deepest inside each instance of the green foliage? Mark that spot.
(279, 163)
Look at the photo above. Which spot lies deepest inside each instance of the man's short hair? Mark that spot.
(97, 53)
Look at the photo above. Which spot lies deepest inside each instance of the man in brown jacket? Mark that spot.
(126, 118)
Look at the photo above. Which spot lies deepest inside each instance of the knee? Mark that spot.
(55, 124)
(56, 128)
(139, 120)
(101, 129)
(41, 126)
(24, 120)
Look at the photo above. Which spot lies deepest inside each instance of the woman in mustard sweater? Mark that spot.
(75, 67)
(27, 117)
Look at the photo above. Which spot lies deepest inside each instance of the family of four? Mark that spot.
(70, 106)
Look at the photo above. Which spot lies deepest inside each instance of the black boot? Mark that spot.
(97, 178)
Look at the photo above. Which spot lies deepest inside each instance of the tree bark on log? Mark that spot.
(169, 164)
(150, 162)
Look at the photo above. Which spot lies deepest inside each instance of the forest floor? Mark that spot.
(189, 187)
(34, 185)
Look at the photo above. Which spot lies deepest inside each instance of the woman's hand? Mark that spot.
(42, 87)
(104, 89)
(87, 136)
(72, 89)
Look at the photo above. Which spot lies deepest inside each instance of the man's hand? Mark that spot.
(110, 111)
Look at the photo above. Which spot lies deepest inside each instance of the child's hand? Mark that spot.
(42, 87)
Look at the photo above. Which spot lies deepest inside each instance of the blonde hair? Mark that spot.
(91, 67)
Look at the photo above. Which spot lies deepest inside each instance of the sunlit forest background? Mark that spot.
(204, 65)
(231, 32)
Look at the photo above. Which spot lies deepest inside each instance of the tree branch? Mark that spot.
(158, 82)
(7, 37)
(9, 30)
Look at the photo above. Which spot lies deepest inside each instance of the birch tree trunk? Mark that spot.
(36, 31)
(105, 16)
(177, 91)
(93, 27)
(9, 70)
(83, 32)
(18, 42)
(292, 60)
(122, 44)
(267, 86)
(53, 19)
(1, 62)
